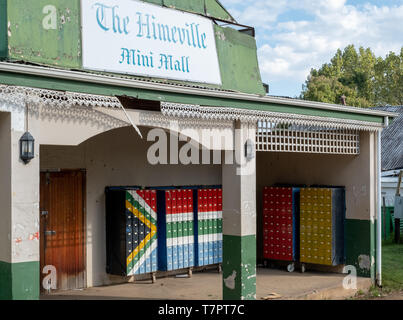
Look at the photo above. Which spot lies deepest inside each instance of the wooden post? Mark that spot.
(385, 226)
(397, 221)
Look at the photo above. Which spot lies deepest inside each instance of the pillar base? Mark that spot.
(360, 236)
(19, 281)
(239, 267)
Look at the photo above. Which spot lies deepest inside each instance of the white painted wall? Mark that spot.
(239, 187)
(24, 187)
(25, 202)
(116, 158)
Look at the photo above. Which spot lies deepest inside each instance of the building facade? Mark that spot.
(72, 77)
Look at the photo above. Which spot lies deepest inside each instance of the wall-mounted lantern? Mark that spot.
(249, 150)
(27, 143)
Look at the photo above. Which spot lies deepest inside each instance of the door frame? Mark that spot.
(42, 248)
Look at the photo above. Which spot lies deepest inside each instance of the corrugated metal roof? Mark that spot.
(178, 83)
(188, 89)
(392, 140)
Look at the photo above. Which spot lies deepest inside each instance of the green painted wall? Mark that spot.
(239, 267)
(360, 244)
(210, 8)
(31, 42)
(3, 29)
(234, 48)
(186, 5)
(154, 1)
(216, 10)
(19, 281)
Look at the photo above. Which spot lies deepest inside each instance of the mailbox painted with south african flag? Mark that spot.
(131, 231)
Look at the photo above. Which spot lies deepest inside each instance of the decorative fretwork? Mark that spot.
(34, 96)
(283, 137)
(246, 115)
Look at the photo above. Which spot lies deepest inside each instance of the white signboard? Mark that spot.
(133, 37)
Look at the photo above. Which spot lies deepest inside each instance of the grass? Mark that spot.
(392, 263)
(392, 272)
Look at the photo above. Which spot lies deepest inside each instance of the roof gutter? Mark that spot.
(133, 83)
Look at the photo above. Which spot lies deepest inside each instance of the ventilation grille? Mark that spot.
(283, 137)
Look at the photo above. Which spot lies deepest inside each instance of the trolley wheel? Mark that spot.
(220, 268)
(303, 268)
(190, 272)
(265, 263)
(153, 278)
(291, 267)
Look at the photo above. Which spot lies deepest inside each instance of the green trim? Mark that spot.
(239, 263)
(3, 30)
(19, 281)
(5, 281)
(90, 88)
(360, 244)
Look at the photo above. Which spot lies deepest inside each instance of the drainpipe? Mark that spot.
(379, 209)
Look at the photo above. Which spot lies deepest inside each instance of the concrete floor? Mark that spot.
(207, 286)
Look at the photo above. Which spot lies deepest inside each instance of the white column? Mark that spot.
(239, 219)
(19, 251)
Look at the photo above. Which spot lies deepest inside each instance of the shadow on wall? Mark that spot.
(80, 115)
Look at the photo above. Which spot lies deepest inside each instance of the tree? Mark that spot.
(364, 79)
(389, 80)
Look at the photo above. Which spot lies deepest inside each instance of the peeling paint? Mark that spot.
(30, 43)
(220, 35)
(230, 281)
(364, 262)
(34, 236)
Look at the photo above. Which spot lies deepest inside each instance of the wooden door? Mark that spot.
(62, 224)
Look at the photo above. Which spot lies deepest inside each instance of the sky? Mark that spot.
(294, 36)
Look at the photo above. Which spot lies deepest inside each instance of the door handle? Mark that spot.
(50, 233)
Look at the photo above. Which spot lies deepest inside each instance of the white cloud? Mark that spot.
(288, 49)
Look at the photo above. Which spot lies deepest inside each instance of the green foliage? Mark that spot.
(365, 80)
